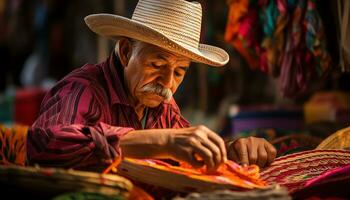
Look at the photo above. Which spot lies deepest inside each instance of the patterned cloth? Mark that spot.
(294, 170)
(83, 117)
(13, 145)
(283, 38)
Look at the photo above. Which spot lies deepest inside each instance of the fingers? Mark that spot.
(187, 155)
(262, 156)
(214, 152)
(253, 150)
(207, 157)
(184, 143)
(192, 147)
(214, 143)
(242, 151)
(271, 153)
(232, 154)
(191, 159)
(218, 141)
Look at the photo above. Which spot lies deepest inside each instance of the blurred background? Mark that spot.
(287, 75)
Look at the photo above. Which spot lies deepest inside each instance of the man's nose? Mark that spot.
(167, 79)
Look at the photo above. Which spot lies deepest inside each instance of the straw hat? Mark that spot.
(174, 25)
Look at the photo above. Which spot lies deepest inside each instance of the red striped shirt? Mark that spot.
(83, 117)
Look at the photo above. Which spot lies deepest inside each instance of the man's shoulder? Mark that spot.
(86, 76)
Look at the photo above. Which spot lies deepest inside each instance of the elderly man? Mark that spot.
(124, 106)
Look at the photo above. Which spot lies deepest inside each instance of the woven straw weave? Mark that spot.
(293, 170)
(57, 181)
(338, 140)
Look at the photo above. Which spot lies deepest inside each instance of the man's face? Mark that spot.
(153, 74)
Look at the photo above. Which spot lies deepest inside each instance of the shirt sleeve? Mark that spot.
(70, 131)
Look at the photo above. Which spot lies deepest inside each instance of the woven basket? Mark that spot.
(49, 182)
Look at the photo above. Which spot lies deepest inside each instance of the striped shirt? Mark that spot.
(83, 117)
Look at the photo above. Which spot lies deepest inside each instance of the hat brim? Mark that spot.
(114, 26)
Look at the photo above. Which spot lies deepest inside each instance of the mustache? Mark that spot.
(159, 90)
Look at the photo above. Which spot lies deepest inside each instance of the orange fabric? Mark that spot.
(240, 175)
(113, 166)
(229, 173)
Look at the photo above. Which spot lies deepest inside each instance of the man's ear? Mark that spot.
(124, 51)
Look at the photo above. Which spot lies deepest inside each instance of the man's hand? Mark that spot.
(251, 150)
(197, 145)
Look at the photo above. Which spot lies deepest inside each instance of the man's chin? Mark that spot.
(152, 100)
(152, 104)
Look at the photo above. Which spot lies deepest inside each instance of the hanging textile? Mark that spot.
(283, 38)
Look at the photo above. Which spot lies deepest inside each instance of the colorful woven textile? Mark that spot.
(293, 170)
(283, 38)
(12, 145)
(186, 179)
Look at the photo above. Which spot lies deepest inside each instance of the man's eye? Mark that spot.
(178, 74)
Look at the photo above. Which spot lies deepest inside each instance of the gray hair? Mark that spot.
(159, 90)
